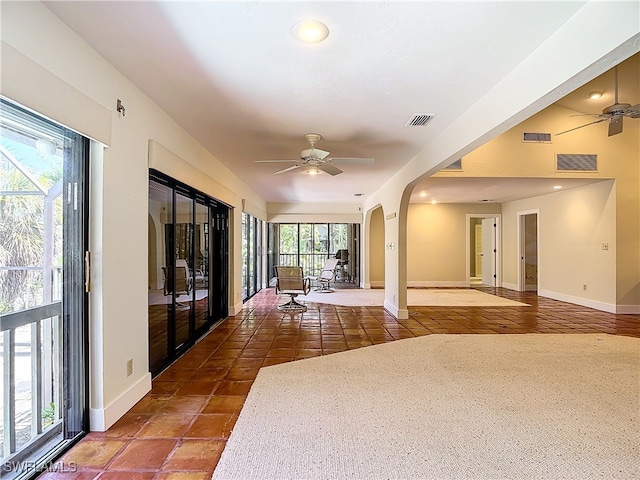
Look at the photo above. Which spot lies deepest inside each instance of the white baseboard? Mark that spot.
(235, 309)
(510, 286)
(628, 309)
(366, 286)
(585, 302)
(437, 283)
(100, 419)
(400, 314)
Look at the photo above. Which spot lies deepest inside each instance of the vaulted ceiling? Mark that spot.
(233, 75)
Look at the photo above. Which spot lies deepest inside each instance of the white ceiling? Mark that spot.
(232, 75)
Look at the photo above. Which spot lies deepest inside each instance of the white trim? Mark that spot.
(235, 309)
(585, 302)
(521, 285)
(365, 286)
(498, 245)
(628, 309)
(397, 313)
(437, 283)
(510, 286)
(100, 419)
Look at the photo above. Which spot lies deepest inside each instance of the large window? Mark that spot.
(43, 239)
(188, 267)
(309, 245)
(251, 255)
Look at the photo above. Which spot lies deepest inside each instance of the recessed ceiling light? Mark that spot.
(557, 187)
(311, 31)
(595, 95)
(423, 194)
(433, 202)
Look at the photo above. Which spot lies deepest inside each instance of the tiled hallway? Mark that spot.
(180, 428)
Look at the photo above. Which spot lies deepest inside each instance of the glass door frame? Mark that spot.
(217, 267)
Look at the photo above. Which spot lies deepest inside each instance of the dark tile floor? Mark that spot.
(179, 429)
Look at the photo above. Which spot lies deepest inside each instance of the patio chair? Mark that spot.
(327, 275)
(291, 281)
(181, 283)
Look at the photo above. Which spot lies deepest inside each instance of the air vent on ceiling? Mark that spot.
(528, 137)
(457, 165)
(419, 119)
(570, 162)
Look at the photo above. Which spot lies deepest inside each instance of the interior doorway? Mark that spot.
(483, 250)
(528, 247)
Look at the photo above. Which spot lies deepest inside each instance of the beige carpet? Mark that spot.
(446, 407)
(452, 297)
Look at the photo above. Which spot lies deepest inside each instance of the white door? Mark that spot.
(489, 252)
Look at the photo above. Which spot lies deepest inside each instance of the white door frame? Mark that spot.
(520, 246)
(498, 218)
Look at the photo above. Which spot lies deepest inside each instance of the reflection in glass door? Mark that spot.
(160, 274)
(183, 268)
(201, 265)
(188, 268)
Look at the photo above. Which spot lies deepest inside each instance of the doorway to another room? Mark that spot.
(528, 246)
(483, 250)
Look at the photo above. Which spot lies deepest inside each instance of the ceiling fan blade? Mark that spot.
(615, 125)
(314, 153)
(288, 169)
(581, 126)
(275, 161)
(330, 169)
(353, 161)
(633, 112)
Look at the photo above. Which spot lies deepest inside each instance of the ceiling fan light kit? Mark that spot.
(613, 113)
(318, 160)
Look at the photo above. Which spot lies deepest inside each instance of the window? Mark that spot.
(309, 245)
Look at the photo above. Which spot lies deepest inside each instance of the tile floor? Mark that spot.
(179, 429)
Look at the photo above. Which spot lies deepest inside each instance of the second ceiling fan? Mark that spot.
(318, 160)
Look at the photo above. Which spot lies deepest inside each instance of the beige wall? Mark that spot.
(573, 224)
(564, 61)
(437, 242)
(310, 212)
(46, 67)
(376, 249)
(618, 158)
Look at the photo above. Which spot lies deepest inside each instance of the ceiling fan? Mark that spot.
(613, 113)
(317, 159)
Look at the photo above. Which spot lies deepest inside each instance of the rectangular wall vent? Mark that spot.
(419, 119)
(536, 137)
(457, 165)
(575, 162)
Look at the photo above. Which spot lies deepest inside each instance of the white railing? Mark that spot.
(31, 353)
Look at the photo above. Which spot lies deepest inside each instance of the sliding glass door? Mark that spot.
(309, 245)
(43, 239)
(251, 255)
(188, 267)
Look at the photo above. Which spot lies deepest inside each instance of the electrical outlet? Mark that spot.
(584, 286)
(605, 245)
(129, 367)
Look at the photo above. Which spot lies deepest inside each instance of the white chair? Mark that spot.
(326, 276)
